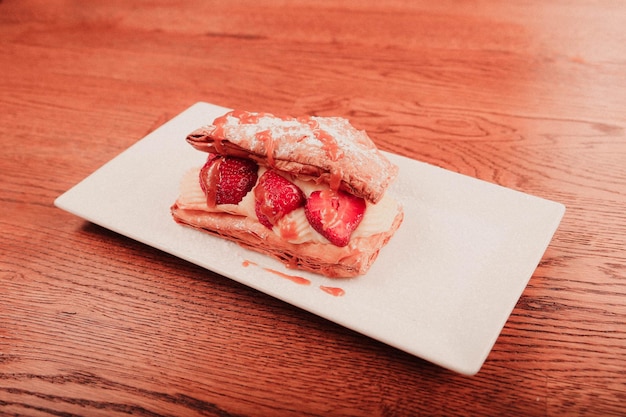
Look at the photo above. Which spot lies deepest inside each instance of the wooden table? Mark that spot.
(528, 95)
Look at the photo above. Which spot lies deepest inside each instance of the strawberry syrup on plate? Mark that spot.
(334, 291)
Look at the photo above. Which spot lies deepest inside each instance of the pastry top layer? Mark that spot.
(325, 149)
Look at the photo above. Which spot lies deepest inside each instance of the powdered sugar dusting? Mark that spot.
(331, 144)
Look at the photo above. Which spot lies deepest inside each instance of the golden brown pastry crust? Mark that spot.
(322, 258)
(326, 149)
(323, 149)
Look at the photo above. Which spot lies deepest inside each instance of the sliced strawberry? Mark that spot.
(275, 196)
(227, 179)
(334, 214)
(209, 175)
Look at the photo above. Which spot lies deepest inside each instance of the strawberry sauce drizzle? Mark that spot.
(329, 144)
(265, 136)
(209, 177)
(336, 177)
(247, 117)
(293, 278)
(288, 230)
(334, 291)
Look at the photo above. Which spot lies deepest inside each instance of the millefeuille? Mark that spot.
(309, 191)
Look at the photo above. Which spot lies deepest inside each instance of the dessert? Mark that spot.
(308, 191)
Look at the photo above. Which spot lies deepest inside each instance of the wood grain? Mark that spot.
(528, 95)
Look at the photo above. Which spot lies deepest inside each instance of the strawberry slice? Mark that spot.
(334, 214)
(227, 179)
(275, 196)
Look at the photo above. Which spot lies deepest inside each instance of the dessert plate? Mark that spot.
(442, 289)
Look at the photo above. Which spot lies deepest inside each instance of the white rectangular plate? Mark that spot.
(442, 289)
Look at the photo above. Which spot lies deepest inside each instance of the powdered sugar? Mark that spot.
(327, 147)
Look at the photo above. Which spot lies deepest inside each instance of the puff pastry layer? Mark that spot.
(326, 149)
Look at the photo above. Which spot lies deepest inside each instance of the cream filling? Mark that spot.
(293, 227)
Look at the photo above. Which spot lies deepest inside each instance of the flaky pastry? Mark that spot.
(308, 191)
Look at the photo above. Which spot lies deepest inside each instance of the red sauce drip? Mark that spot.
(238, 113)
(209, 177)
(329, 144)
(221, 121)
(218, 134)
(334, 291)
(335, 179)
(293, 278)
(330, 217)
(247, 117)
(265, 136)
(288, 230)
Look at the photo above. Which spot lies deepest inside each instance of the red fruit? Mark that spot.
(227, 179)
(275, 196)
(334, 214)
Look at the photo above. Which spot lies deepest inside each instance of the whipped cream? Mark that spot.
(293, 227)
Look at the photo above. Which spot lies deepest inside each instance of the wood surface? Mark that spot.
(529, 95)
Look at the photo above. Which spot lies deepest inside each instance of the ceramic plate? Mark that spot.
(442, 289)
